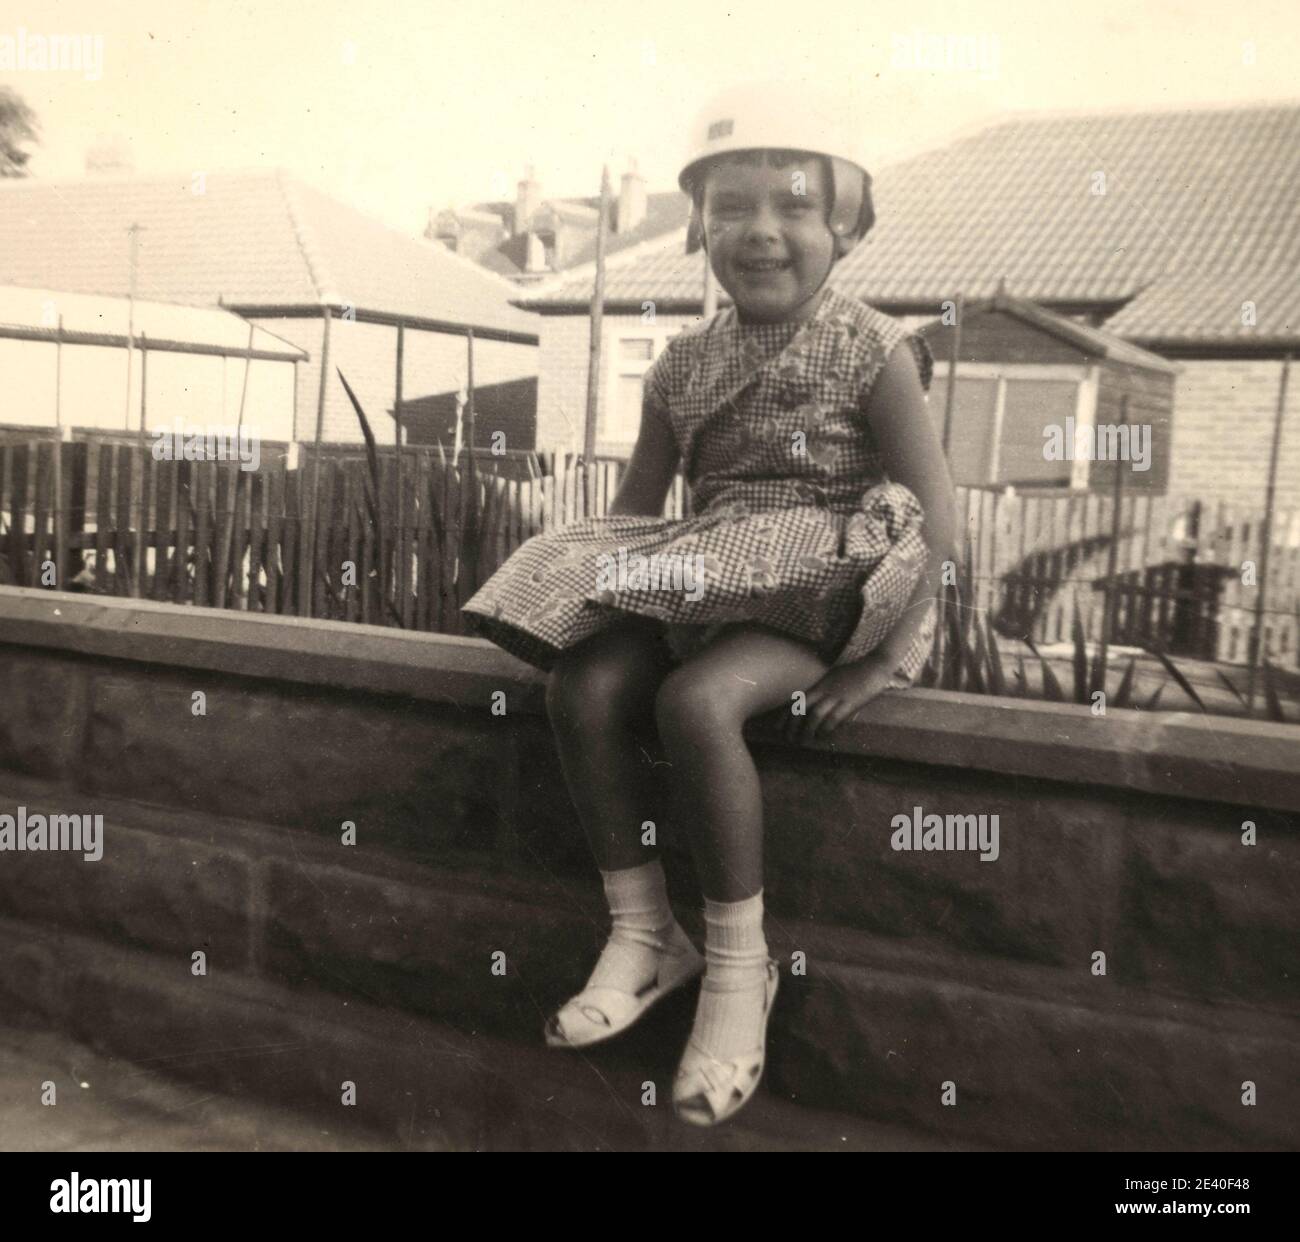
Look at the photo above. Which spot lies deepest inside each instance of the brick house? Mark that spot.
(1179, 231)
(282, 255)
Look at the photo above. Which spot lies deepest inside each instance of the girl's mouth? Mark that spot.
(761, 266)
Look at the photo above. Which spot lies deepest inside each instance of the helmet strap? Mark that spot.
(695, 232)
(849, 206)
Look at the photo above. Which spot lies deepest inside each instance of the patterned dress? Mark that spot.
(795, 526)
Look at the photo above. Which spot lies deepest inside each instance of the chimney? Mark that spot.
(444, 227)
(528, 197)
(535, 259)
(631, 200)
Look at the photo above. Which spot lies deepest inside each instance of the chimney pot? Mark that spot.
(631, 200)
(528, 197)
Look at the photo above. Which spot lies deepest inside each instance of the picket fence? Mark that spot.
(322, 540)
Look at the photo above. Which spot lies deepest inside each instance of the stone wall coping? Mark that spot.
(1217, 759)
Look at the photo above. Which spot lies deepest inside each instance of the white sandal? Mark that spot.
(707, 1091)
(599, 1013)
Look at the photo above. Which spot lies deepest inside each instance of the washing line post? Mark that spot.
(1112, 558)
(400, 560)
(307, 563)
(59, 541)
(593, 358)
(1266, 535)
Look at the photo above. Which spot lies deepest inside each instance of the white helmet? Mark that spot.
(786, 116)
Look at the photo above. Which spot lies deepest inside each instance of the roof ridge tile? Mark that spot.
(311, 258)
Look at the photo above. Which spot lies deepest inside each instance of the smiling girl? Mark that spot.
(823, 511)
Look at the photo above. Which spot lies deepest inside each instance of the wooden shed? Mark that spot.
(1038, 400)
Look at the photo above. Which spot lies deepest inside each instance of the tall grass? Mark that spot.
(967, 657)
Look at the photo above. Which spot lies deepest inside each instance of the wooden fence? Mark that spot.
(107, 517)
(1187, 573)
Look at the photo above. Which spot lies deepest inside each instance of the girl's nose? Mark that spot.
(762, 223)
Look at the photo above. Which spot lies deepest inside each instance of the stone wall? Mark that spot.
(1119, 835)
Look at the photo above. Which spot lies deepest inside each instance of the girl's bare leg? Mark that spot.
(600, 701)
(701, 708)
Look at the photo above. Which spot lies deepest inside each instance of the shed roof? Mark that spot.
(1094, 342)
(95, 319)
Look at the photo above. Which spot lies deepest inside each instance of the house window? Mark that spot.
(1000, 416)
(631, 351)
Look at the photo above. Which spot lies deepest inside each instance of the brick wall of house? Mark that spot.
(1223, 427)
(366, 353)
(562, 376)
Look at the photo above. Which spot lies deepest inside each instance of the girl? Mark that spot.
(812, 461)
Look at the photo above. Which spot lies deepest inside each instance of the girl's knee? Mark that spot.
(595, 690)
(688, 701)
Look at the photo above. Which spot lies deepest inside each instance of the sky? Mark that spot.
(397, 107)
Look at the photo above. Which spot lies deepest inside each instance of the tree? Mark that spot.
(17, 129)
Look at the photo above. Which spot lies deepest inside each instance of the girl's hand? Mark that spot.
(839, 694)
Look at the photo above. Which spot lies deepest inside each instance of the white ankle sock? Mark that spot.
(643, 927)
(729, 1017)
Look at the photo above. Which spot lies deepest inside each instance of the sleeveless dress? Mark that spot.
(795, 526)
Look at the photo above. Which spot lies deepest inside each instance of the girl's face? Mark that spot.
(767, 237)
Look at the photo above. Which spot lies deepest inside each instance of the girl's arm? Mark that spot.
(913, 455)
(650, 469)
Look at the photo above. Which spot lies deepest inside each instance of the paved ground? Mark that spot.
(106, 1104)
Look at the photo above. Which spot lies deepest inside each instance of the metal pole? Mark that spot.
(946, 598)
(469, 394)
(239, 596)
(400, 564)
(137, 576)
(59, 549)
(1112, 558)
(243, 392)
(1266, 535)
(305, 604)
(953, 352)
(467, 576)
(133, 233)
(597, 322)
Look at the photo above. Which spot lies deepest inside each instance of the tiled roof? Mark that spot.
(662, 272)
(1210, 308)
(254, 239)
(1186, 192)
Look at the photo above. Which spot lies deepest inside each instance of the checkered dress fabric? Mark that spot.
(795, 526)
